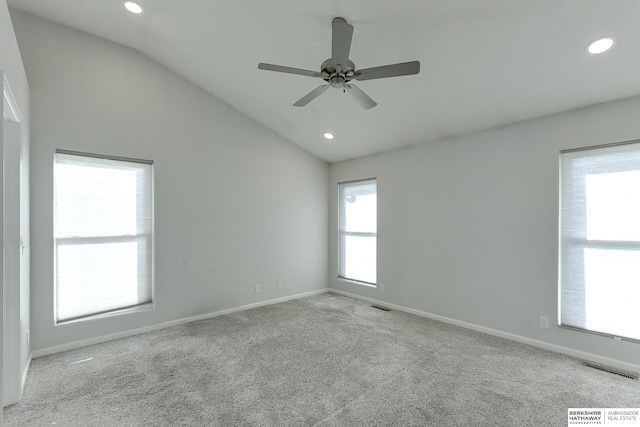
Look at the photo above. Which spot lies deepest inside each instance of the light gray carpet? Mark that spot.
(325, 360)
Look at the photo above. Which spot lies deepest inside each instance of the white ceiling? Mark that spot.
(484, 63)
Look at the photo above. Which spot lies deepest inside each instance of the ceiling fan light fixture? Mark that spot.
(328, 135)
(133, 7)
(600, 45)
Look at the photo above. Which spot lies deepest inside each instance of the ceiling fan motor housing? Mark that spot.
(337, 74)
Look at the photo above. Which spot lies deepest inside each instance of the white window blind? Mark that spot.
(103, 234)
(600, 240)
(358, 230)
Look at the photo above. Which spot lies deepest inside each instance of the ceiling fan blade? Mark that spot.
(362, 98)
(342, 34)
(290, 70)
(393, 70)
(311, 96)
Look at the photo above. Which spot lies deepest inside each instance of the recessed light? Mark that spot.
(600, 45)
(328, 135)
(133, 7)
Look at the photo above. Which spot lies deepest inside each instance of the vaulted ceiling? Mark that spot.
(484, 63)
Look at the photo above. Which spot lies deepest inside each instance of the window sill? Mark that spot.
(136, 309)
(602, 334)
(357, 282)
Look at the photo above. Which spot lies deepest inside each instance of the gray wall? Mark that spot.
(17, 307)
(468, 226)
(235, 204)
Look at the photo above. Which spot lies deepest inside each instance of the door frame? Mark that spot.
(11, 346)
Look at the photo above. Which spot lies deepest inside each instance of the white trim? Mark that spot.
(513, 337)
(11, 155)
(25, 374)
(540, 344)
(97, 340)
(12, 112)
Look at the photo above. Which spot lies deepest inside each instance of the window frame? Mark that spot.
(342, 234)
(575, 246)
(145, 239)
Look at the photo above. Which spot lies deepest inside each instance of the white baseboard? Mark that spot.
(536, 343)
(97, 340)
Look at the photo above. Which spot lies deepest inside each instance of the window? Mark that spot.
(600, 240)
(103, 234)
(358, 231)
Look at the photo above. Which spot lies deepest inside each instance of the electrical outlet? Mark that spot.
(28, 338)
(381, 287)
(544, 322)
(279, 285)
(257, 289)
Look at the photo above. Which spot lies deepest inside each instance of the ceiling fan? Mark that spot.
(338, 71)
